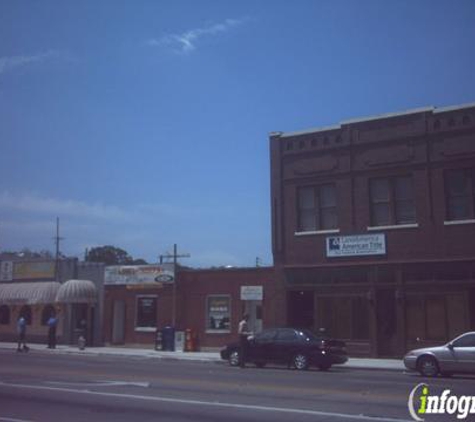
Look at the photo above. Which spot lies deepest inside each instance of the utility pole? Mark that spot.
(57, 239)
(175, 257)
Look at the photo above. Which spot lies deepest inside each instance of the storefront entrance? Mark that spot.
(301, 308)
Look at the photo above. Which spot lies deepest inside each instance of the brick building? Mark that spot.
(210, 302)
(373, 228)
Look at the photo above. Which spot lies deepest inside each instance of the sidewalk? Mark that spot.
(356, 363)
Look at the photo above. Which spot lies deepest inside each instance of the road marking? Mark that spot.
(13, 420)
(211, 403)
(102, 383)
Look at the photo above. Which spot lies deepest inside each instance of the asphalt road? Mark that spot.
(45, 387)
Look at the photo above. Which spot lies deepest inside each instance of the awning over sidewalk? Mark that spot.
(77, 291)
(30, 293)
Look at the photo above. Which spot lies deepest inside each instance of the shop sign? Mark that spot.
(359, 245)
(252, 292)
(140, 274)
(6, 271)
(33, 270)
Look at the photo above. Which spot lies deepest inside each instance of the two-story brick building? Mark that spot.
(373, 228)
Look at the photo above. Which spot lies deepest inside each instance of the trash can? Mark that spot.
(168, 339)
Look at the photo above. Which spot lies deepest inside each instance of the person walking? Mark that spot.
(244, 333)
(21, 329)
(52, 323)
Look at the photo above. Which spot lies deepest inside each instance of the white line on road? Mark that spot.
(13, 420)
(210, 403)
(102, 384)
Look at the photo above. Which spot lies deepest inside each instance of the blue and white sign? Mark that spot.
(358, 245)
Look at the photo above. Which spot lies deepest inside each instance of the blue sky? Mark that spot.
(145, 123)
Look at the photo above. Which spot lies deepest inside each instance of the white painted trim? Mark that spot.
(217, 331)
(458, 222)
(310, 131)
(145, 329)
(387, 115)
(454, 108)
(316, 232)
(393, 227)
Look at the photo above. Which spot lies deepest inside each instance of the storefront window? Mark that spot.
(146, 312)
(4, 315)
(218, 313)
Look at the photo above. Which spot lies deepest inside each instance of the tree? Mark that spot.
(111, 255)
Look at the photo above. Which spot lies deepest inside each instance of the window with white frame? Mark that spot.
(460, 194)
(317, 208)
(146, 312)
(392, 201)
(218, 313)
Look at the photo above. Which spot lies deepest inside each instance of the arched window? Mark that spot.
(48, 312)
(4, 315)
(26, 313)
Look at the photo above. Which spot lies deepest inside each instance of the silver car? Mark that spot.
(457, 356)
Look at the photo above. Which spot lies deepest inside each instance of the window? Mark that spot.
(218, 310)
(317, 208)
(467, 340)
(146, 312)
(460, 194)
(4, 315)
(286, 335)
(392, 201)
(345, 317)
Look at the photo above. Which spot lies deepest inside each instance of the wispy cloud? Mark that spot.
(186, 42)
(60, 207)
(10, 63)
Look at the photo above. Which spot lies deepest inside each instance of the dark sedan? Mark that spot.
(293, 347)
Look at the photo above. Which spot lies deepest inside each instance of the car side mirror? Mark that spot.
(450, 346)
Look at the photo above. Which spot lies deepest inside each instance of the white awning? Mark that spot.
(30, 293)
(77, 291)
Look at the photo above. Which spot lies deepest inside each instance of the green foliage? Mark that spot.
(111, 255)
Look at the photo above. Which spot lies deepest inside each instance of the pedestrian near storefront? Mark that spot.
(21, 329)
(52, 324)
(244, 333)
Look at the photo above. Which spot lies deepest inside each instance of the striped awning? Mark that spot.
(77, 291)
(30, 293)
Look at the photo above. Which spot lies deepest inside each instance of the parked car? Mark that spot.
(290, 346)
(457, 356)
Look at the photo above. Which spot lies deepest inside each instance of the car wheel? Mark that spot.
(260, 364)
(324, 367)
(427, 366)
(234, 358)
(300, 361)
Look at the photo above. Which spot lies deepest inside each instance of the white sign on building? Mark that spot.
(139, 274)
(252, 292)
(358, 245)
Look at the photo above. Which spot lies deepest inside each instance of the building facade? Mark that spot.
(38, 288)
(373, 228)
(209, 302)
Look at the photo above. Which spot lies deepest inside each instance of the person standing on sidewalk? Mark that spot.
(52, 323)
(244, 333)
(21, 329)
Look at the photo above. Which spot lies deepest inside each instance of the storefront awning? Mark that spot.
(31, 293)
(77, 291)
